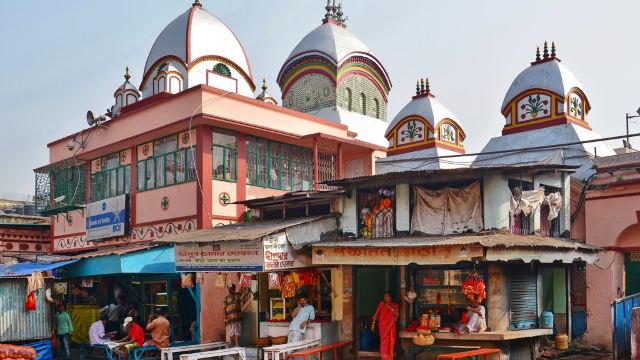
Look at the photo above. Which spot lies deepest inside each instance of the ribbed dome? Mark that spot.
(549, 75)
(330, 39)
(194, 34)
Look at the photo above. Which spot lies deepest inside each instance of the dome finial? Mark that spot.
(197, 3)
(553, 49)
(126, 74)
(538, 53)
(545, 53)
(328, 8)
(427, 87)
(421, 86)
(264, 84)
(417, 87)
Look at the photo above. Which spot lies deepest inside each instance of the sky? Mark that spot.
(62, 58)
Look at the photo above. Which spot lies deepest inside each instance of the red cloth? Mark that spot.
(387, 328)
(136, 333)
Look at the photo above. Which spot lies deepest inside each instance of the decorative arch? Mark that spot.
(230, 64)
(363, 103)
(349, 99)
(156, 65)
(376, 107)
(629, 237)
(311, 64)
(222, 69)
(450, 133)
(413, 130)
(577, 104)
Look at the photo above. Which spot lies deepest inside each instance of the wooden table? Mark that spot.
(276, 351)
(216, 354)
(471, 353)
(414, 350)
(319, 350)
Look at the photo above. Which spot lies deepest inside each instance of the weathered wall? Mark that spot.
(403, 211)
(496, 202)
(497, 299)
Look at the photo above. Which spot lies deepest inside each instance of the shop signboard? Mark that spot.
(433, 255)
(225, 256)
(108, 218)
(278, 253)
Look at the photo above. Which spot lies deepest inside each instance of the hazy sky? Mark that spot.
(62, 58)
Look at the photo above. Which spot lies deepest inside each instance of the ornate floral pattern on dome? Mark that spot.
(448, 133)
(575, 106)
(534, 106)
(411, 131)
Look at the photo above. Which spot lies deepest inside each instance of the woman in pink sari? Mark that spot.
(387, 316)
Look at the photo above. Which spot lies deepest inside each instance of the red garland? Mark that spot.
(473, 287)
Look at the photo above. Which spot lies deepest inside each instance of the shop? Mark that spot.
(269, 261)
(143, 275)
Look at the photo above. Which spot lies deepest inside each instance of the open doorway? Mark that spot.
(370, 284)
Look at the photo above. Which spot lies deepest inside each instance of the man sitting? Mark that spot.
(97, 335)
(134, 339)
(160, 329)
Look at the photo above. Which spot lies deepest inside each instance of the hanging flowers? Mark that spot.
(473, 287)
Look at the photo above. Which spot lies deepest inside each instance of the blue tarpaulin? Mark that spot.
(43, 349)
(25, 269)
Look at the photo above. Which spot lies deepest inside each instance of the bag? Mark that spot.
(30, 301)
(245, 280)
(220, 282)
(54, 340)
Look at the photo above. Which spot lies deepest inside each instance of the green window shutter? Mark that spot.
(523, 286)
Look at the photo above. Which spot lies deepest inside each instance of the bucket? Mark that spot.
(562, 342)
(546, 320)
(366, 339)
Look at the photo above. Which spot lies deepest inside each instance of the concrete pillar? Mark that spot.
(497, 298)
(403, 212)
(349, 219)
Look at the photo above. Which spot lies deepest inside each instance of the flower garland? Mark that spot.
(473, 287)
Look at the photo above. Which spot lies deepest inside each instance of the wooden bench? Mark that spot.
(240, 352)
(167, 353)
(471, 353)
(275, 352)
(139, 353)
(86, 352)
(414, 350)
(319, 350)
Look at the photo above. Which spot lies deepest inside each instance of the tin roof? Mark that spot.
(293, 197)
(616, 161)
(487, 240)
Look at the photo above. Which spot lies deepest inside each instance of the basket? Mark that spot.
(279, 340)
(423, 331)
(263, 342)
(424, 341)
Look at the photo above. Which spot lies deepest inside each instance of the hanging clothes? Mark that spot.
(527, 202)
(35, 282)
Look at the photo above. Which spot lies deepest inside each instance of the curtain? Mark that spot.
(447, 211)
(527, 202)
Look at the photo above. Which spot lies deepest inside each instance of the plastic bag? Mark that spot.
(245, 280)
(220, 282)
(30, 301)
(274, 281)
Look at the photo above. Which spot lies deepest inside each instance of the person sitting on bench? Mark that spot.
(134, 339)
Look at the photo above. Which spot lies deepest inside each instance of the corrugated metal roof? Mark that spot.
(243, 231)
(17, 324)
(113, 250)
(486, 240)
(292, 197)
(620, 160)
(478, 170)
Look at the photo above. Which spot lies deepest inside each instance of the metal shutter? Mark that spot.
(523, 298)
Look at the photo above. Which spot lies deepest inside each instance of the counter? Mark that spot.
(486, 336)
(326, 331)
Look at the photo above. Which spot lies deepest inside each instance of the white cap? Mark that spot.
(127, 321)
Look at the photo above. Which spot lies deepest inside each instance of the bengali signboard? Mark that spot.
(433, 255)
(227, 256)
(278, 253)
(108, 218)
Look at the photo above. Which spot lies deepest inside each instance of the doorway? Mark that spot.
(632, 273)
(370, 284)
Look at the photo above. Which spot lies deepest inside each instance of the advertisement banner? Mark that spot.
(436, 255)
(228, 256)
(108, 218)
(278, 254)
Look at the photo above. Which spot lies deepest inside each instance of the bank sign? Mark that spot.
(108, 218)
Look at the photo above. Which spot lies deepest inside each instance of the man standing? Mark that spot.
(232, 315)
(114, 312)
(302, 316)
(64, 328)
(97, 335)
(160, 329)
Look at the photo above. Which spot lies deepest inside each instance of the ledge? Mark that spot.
(486, 336)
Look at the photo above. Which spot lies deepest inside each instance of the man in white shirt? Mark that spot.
(97, 335)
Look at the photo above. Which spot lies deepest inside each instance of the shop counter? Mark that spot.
(485, 336)
(326, 331)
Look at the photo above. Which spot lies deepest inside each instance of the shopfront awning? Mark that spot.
(25, 269)
(434, 250)
(300, 231)
(134, 259)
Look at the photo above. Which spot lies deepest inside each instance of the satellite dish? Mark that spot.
(93, 119)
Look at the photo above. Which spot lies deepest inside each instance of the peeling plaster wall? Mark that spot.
(496, 202)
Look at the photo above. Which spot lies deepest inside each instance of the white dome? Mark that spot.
(427, 107)
(195, 34)
(549, 75)
(332, 40)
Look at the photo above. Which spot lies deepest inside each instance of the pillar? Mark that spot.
(204, 167)
(134, 186)
(339, 169)
(316, 170)
(498, 298)
(241, 168)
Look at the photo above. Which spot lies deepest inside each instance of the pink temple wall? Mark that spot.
(182, 203)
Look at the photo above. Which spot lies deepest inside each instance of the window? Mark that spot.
(222, 69)
(278, 166)
(376, 108)
(363, 103)
(520, 224)
(523, 297)
(549, 227)
(167, 166)
(349, 100)
(112, 180)
(68, 186)
(225, 156)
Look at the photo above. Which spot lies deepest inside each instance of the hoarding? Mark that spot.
(227, 256)
(108, 218)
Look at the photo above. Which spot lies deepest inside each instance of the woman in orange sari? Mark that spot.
(387, 316)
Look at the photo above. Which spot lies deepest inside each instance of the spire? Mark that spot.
(553, 49)
(538, 53)
(423, 88)
(427, 87)
(545, 54)
(196, 3)
(334, 14)
(264, 84)
(126, 74)
(417, 87)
